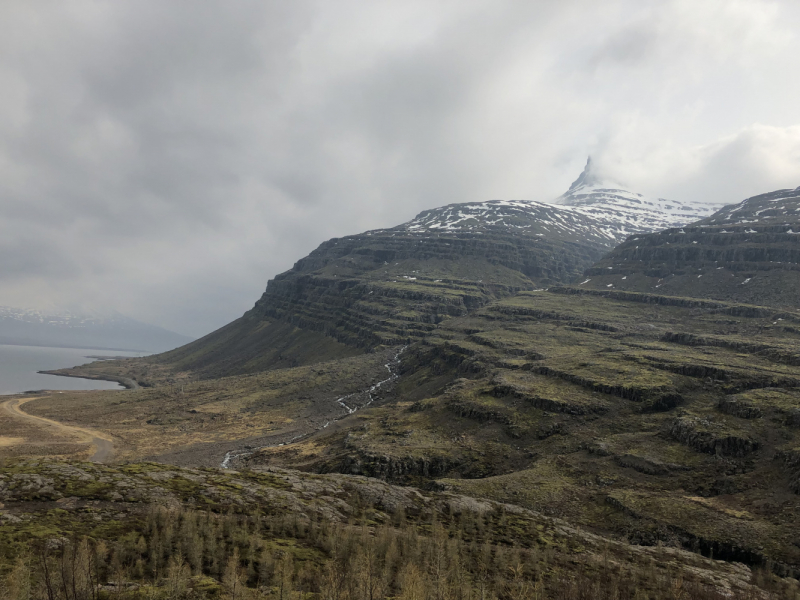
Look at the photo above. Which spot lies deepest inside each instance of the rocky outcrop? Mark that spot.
(781, 355)
(628, 392)
(651, 532)
(395, 469)
(502, 390)
(642, 465)
(731, 405)
(478, 412)
(552, 316)
(721, 307)
(706, 436)
(791, 462)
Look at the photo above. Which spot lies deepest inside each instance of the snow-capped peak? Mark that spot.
(593, 209)
(525, 217)
(590, 178)
(626, 211)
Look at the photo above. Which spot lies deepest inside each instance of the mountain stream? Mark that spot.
(370, 393)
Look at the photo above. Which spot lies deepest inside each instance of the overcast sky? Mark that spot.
(166, 158)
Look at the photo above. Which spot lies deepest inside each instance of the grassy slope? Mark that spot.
(645, 417)
(197, 422)
(263, 343)
(579, 406)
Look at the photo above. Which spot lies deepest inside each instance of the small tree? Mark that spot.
(17, 584)
(233, 577)
(412, 583)
(178, 574)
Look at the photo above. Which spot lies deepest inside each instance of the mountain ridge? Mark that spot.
(745, 252)
(73, 329)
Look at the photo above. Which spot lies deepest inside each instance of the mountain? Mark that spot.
(747, 252)
(777, 208)
(522, 217)
(451, 354)
(393, 286)
(592, 208)
(60, 328)
(625, 213)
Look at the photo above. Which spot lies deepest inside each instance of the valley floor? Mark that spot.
(23, 434)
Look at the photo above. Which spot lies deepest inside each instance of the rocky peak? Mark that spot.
(628, 212)
(588, 177)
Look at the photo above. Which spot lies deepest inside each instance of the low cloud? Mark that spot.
(754, 160)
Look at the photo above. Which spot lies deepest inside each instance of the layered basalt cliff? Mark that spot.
(392, 286)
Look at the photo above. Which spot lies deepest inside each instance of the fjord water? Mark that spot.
(19, 366)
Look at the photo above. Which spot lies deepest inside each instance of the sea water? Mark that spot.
(19, 366)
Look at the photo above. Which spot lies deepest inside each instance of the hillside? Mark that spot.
(393, 286)
(653, 418)
(142, 530)
(646, 418)
(749, 252)
(447, 355)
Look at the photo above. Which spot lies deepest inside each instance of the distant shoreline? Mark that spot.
(127, 383)
(35, 345)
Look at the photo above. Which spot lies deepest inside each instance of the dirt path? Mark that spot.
(102, 442)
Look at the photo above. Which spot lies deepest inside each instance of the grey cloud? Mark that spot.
(757, 159)
(630, 46)
(167, 159)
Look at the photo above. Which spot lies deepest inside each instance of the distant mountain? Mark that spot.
(623, 213)
(747, 252)
(592, 209)
(58, 328)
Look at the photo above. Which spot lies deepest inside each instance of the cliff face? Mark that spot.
(748, 252)
(392, 286)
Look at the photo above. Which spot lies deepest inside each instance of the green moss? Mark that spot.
(89, 489)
